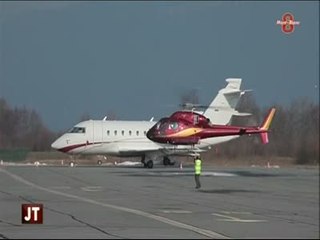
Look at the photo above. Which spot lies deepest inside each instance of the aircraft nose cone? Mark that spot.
(54, 145)
(58, 144)
(62, 144)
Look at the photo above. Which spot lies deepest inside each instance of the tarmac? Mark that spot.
(132, 202)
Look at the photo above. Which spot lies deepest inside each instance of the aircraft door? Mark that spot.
(97, 133)
(89, 134)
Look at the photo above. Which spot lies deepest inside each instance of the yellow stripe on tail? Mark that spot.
(267, 122)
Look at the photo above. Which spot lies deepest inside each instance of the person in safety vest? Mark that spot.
(197, 171)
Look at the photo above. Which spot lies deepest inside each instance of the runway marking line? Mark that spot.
(92, 188)
(204, 232)
(227, 218)
(175, 211)
(60, 187)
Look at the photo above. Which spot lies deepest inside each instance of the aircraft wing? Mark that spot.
(138, 148)
(158, 150)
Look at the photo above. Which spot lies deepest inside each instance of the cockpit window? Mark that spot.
(164, 126)
(173, 125)
(161, 123)
(77, 130)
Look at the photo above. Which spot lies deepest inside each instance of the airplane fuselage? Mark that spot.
(120, 138)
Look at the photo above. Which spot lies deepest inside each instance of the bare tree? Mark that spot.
(85, 116)
(191, 96)
(294, 132)
(22, 128)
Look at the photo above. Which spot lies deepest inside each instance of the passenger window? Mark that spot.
(130, 133)
(108, 132)
(122, 132)
(115, 132)
(137, 133)
(144, 132)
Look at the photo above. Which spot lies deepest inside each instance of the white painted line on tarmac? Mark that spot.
(204, 232)
(218, 174)
(227, 218)
(175, 211)
(60, 187)
(92, 189)
(235, 212)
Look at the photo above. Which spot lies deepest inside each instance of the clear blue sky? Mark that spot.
(135, 59)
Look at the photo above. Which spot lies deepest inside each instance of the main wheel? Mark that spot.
(150, 164)
(166, 161)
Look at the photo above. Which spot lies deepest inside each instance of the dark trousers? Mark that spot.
(197, 178)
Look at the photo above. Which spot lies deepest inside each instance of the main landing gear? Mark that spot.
(167, 161)
(149, 163)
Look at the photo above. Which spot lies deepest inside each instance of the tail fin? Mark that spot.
(265, 126)
(223, 105)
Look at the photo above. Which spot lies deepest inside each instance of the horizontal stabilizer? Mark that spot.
(236, 92)
(247, 90)
(231, 111)
(240, 114)
(232, 92)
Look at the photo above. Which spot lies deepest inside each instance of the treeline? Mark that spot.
(294, 131)
(22, 128)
